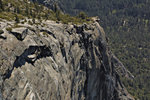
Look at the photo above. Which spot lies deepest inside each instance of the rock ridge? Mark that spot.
(59, 62)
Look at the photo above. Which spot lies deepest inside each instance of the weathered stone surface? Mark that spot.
(20, 32)
(59, 62)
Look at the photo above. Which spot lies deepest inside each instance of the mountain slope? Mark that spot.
(44, 59)
(126, 23)
(58, 61)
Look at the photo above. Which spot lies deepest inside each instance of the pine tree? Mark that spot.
(17, 19)
(58, 15)
(82, 15)
(31, 13)
(55, 7)
(33, 20)
(57, 11)
(18, 10)
(27, 10)
(1, 5)
(46, 16)
(37, 8)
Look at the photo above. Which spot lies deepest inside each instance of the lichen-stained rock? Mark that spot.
(59, 62)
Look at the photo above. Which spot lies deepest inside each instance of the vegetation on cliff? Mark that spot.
(21, 9)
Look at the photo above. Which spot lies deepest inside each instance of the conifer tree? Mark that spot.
(46, 16)
(55, 7)
(57, 11)
(58, 15)
(18, 10)
(1, 5)
(33, 20)
(82, 15)
(17, 19)
(27, 10)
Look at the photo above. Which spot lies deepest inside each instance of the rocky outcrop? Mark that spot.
(20, 33)
(59, 62)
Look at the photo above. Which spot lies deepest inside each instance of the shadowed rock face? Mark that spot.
(60, 62)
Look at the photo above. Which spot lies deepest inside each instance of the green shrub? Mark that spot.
(82, 15)
(9, 29)
(29, 22)
(45, 34)
(16, 26)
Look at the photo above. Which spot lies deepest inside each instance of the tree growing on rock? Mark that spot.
(82, 15)
(57, 11)
(17, 19)
(33, 20)
(27, 10)
(58, 15)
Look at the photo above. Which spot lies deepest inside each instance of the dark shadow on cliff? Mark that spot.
(2, 37)
(30, 55)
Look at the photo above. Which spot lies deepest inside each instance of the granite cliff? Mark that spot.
(54, 61)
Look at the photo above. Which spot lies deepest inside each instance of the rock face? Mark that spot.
(59, 62)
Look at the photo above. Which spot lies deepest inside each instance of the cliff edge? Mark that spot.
(54, 61)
